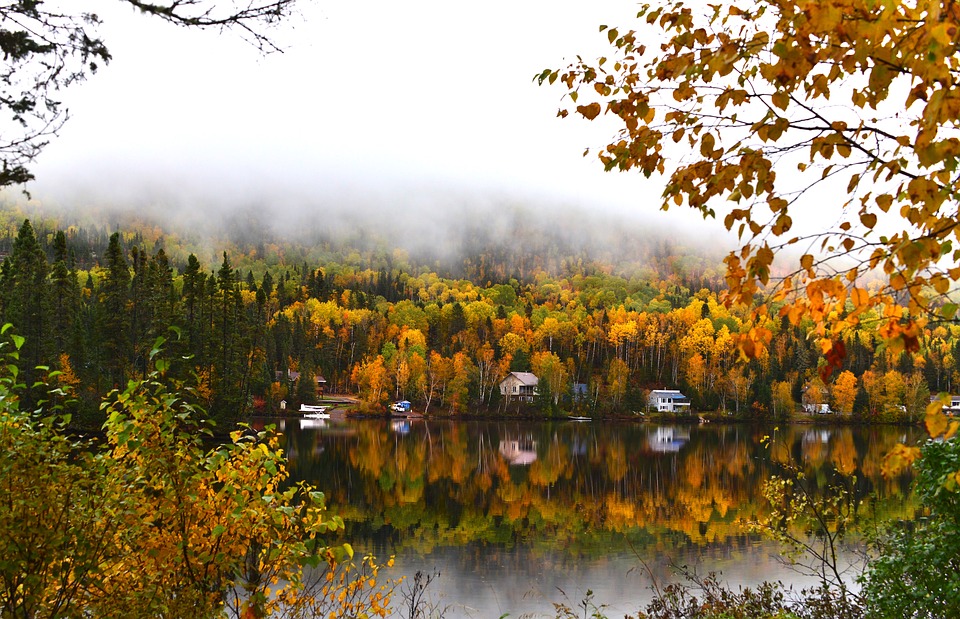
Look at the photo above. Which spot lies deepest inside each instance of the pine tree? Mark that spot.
(26, 303)
(115, 299)
(65, 292)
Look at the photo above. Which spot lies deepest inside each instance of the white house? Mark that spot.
(520, 385)
(954, 407)
(668, 401)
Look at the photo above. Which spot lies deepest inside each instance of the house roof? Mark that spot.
(526, 378)
(671, 392)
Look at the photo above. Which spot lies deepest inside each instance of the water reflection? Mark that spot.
(668, 439)
(519, 449)
(511, 513)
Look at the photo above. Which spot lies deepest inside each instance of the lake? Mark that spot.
(517, 515)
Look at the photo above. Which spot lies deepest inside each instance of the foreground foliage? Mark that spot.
(912, 571)
(770, 99)
(154, 524)
(707, 597)
(918, 572)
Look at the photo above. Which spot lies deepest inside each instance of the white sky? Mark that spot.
(372, 100)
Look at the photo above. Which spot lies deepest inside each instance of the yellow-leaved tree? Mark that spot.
(154, 523)
(760, 112)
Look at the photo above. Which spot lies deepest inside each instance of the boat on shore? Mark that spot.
(314, 412)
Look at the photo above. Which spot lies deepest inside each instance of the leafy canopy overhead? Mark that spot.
(754, 110)
(50, 45)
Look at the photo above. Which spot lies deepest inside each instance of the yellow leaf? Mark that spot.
(780, 99)
(868, 219)
(706, 145)
(884, 201)
(936, 420)
(936, 423)
(860, 297)
(854, 180)
(589, 111)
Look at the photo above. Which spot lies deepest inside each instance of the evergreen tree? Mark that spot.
(65, 290)
(193, 285)
(231, 370)
(266, 284)
(26, 302)
(115, 298)
(306, 392)
(227, 327)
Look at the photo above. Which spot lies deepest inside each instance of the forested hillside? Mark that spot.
(619, 316)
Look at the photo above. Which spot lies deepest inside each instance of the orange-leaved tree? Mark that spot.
(761, 112)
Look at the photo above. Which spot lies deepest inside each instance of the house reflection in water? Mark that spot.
(668, 439)
(521, 451)
(819, 436)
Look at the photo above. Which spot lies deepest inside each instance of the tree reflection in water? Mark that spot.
(510, 512)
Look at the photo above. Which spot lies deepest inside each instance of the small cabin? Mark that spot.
(520, 386)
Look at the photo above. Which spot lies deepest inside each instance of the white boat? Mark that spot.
(314, 412)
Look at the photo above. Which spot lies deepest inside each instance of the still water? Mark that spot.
(518, 515)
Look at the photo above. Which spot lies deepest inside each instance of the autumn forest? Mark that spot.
(382, 322)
